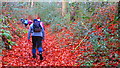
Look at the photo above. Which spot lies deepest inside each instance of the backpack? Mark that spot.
(37, 27)
(22, 20)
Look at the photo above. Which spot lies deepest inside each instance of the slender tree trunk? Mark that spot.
(32, 3)
(1, 10)
(119, 17)
(29, 3)
(73, 12)
(64, 7)
(119, 9)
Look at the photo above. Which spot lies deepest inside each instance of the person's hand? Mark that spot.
(43, 39)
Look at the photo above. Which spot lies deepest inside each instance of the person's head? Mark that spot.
(30, 20)
(21, 19)
(39, 19)
(35, 20)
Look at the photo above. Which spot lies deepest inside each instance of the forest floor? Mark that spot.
(58, 49)
(54, 53)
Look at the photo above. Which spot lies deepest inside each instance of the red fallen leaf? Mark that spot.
(118, 52)
(94, 31)
(74, 23)
(108, 22)
(114, 64)
(101, 34)
(112, 27)
(101, 63)
(105, 39)
(57, 24)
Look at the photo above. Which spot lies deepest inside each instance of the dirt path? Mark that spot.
(53, 55)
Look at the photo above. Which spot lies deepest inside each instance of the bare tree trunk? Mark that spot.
(64, 7)
(32, 3)
(73, 12)
(29, 3)
(119, 8)
(1, 10)
(119, 17)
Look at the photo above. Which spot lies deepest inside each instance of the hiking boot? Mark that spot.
(41, 58)
(34, 56)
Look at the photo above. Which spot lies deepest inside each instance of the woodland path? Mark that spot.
(53, 54)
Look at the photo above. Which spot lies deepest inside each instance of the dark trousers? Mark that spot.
(26, 25)
(37, 43)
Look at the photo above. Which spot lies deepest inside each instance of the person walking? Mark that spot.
(22, 20)
(37, 32)
(30, 22)
(26, 22)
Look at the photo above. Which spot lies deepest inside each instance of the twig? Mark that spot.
(83, 38)
(81, 42)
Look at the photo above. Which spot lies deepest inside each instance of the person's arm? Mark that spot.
(43, 25)
(43, 32)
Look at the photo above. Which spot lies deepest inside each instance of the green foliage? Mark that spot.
(48, 11)
(88, 63)
(60, 22)
(0, 20)
(6, 33)
(4, 26)
(12, 43)
(25, 31)
(85, 17)
(92, 29)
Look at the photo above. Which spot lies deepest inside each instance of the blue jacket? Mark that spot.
(25, 21)
(30, 31)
